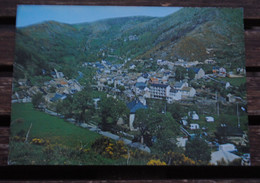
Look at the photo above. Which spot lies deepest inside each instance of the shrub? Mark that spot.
(38, 141)
(156, 162)
(174, 158)
(109, 149)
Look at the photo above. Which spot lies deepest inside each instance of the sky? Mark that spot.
(33, 14)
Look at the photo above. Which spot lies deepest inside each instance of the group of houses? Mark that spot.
(56, 89)
(157, 85)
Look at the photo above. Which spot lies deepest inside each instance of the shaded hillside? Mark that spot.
(185, 34)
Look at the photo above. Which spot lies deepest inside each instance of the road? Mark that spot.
(128, 142)
(94, 128)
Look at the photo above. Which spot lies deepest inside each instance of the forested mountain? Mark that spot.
(186, 34)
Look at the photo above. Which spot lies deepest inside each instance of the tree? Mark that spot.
(37, 99)
(198, 150)
(177, 158)
(82, 105)
(176, 110)
(65, 107)
(59, 107)
(191, 74)
(156, 129)
(180, 73)
(111, 110)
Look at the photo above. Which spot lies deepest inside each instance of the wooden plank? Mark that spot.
(253, 97)
(146, 181)
(5, 95)
(4, 140)
(7, 44)
(9, 6)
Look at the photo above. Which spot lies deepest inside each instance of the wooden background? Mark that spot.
(137, 173)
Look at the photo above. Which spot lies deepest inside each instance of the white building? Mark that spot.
(227, 147)
(159, 91)
(193, 115)
(188, 92)
(173, 95)
(209, 119)
(219, 156)
(141, 80)
(181, 142)
(194, 126)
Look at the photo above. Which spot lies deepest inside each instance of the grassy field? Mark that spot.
(230, 120)
(49, 127)
(234, 81)
(68, 144)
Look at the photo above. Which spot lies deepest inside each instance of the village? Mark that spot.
(123, 82)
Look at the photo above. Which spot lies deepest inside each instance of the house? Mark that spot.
(227, 85)
(154, 80)
(181, 142)
(173, 95)
(199, 72)
(129, 93)
(188, 92)
(193, 115)
(107, 71)
(164, 79)
(180, 85)
(222, 72)
(159, 91)
(141, 79)
(194, 126)
(33, 91)
(209, 61)
(184, 122)
(227, 147)
(23, 82)
(133, 107)
(57, 97)
(232, 99)
(232, 134)
(145, 75)
(215, 70)
(132, 66)
(139, 87)
(241, 71)
(209, 119)
(147, 93)
(218, 156)
(58, 74)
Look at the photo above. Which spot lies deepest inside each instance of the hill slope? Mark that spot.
(187, 34)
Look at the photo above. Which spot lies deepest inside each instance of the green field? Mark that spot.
(49, 127)
(235, 81)
(68, 144)
(212, 126)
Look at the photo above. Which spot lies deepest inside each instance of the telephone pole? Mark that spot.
(217, 104)
(238, 119)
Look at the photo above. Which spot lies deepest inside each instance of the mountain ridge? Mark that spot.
(185, 34)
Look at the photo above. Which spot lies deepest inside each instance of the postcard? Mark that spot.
(128, 85)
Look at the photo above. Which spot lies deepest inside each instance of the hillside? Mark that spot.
(186, 34)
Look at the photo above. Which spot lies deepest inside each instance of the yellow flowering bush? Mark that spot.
(110, 149)
(178, 159)
(38, 141)
(156, 162)
(17, 138)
